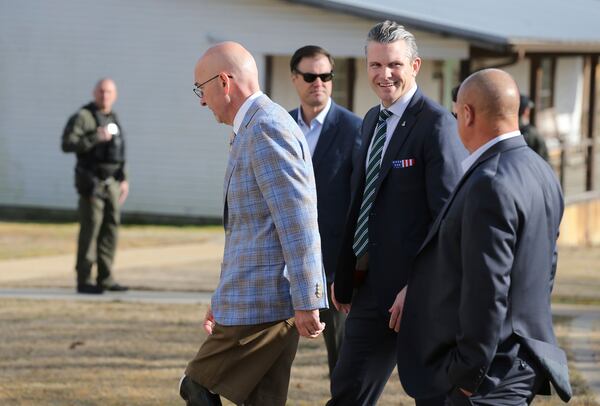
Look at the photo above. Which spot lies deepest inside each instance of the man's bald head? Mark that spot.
(488, 106)
(494, 92)
(237, 78)
(230, 57)
(105, 94)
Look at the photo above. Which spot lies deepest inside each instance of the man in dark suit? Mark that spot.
(477, 323)
(333, 136)
(408, 165)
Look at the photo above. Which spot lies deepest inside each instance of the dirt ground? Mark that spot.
(83, 353)
(114, 354)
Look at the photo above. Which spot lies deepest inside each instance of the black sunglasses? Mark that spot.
(311, 77)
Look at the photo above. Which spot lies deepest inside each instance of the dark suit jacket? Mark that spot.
(481, 285)
(407, 198)
(332, 163)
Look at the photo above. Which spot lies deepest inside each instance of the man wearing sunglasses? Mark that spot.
(333, 136)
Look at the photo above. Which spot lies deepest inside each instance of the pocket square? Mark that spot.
(403, 163)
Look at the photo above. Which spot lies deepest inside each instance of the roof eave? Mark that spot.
(492, 42)
(546, 47)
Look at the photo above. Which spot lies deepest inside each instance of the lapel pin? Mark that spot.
(403, 123)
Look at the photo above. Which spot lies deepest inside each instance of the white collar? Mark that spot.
(241, 113)
(320, 118)
(400, 105)
(470, 160)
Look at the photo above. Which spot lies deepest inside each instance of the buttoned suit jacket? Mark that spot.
(407, 198)
(482, 281)
(272, 259)
(332, 161)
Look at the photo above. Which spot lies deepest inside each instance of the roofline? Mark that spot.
(545, 47)
(495, 43)
(477, 38)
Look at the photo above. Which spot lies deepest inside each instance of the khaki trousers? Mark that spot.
(248, 365)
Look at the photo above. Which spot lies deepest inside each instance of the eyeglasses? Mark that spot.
(198, 89)
(311, 77)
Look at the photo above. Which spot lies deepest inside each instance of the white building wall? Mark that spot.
(568, 97)
(364, 98)
(429, 81)
(52, 53)
(520, 72)
(283, 91)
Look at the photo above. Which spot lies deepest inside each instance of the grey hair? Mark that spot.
(388, 31)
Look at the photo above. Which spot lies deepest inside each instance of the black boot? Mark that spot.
(195, 394)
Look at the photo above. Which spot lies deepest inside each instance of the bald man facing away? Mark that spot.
(272, 282)
(477, 323)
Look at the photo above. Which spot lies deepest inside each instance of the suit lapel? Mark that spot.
(401, 133)
(498, 148)
(367, 134)
(329, 132)
(236, 147)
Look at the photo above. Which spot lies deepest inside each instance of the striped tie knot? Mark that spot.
(384, 114)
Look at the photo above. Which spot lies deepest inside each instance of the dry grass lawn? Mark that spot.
(115, 354)
(21, 239)
(132, 354)
(578, 276)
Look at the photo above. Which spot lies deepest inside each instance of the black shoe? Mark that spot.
(116, 288)
(195, 394)
(89, 288)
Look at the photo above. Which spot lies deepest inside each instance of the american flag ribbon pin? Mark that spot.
(403, 163)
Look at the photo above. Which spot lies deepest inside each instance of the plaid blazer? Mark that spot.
(272, 261)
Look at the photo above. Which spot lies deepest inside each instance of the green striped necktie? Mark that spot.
(361, 235)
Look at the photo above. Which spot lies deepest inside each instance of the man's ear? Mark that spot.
(225, 81)
(469, 115)
(416, 65)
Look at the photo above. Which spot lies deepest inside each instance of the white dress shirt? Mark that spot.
(241, 113)
(312, 131)
(397, 110)
(470, 160)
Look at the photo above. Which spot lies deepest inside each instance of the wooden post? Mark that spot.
(589, 164)
(535, 82)
(268, 74)
(351, 82)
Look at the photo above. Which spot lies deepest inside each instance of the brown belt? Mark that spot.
(360, 270)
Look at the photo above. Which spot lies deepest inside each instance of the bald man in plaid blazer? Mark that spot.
(272, 281)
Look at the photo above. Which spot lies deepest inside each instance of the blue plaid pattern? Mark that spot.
(272, 260)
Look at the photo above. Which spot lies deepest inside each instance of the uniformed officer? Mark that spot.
(95, 135)
(531, 134)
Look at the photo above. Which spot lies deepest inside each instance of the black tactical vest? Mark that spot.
(111, 152)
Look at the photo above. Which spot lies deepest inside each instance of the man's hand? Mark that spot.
(124, 191)
(396, 310)
(103, 134)
(308, 323)
(209, 321)
(466, 392)
(341, 307)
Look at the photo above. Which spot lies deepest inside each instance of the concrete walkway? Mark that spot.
(585, 320)
(155, 257)
(195, 270)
